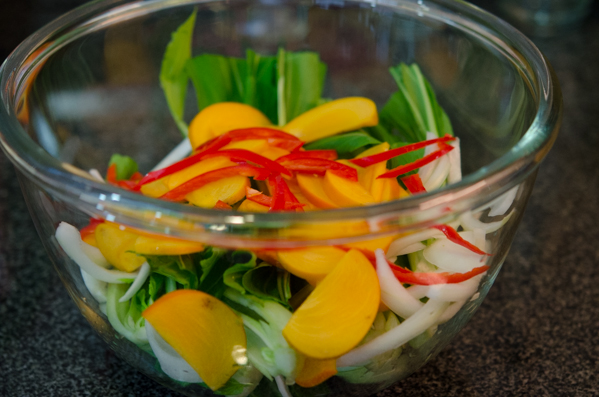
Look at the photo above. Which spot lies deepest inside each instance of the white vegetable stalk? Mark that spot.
(424, 318)
(455, 162)
(69, 239)
(452, 257)
(142, 275)
(469, 222)
(282, 386)
(501, 204)
(170, 361)
(401, 244)
(393, 293)
(439, 174)
(96, 175)
(95, 287)
(178, 153)
(426, 170)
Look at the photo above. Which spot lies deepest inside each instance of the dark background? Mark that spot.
(536, 334)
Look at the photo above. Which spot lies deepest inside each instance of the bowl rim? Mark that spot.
(113, 203)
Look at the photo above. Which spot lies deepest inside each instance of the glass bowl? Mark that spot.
(87, 85)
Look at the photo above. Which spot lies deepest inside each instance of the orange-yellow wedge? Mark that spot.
(312, 188)
(346, 114)
(203, 330)
(339, 312)
(222, 117)
(315, 371)
(274, 153)
(199, 168)
(312, 264)
(344, 192)
(252, 206)
(115, 243)
(373, 244)
(156, 188)
(229, 190)
(253, 145)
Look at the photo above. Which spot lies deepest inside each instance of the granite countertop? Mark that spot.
(536, 333)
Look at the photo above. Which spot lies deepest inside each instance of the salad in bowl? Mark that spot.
(293, 242)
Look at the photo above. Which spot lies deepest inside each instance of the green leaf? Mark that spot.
(125, 166)
(412, 111)
(345, 144)
(213, 262)
(173, 77)
(179, 268)
(268, 282)
(300, 80)
(243, 261)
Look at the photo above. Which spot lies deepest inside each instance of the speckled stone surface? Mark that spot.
(536, 334)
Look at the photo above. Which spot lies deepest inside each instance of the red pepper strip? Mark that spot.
(289, 196)
(179, 193)
(221, 205)
(91, 228)
(287, 144)
(320, 167)
(275, 137)
(111, 174)
(260, 198)
(407, 276)
(389, 154)
(180, 165)
(410, 277)
(413, 183)
(246, 155)
(454, 237)
(310, 154)
(402, 169)
(278, 197)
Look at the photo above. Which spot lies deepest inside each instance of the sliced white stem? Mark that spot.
(96, 174)
(424, 318)
(455, 163)
(439, 174)
(282, 386)
(95, 255)
(69, 239)
(452, 257)
(393, 293)
(411, 248)
(402, 243)
(469, 222)
(142, 275)
(418, 291)
(451, 311)
(178, 153)
(95, 287)
(425, 171)
(501, 204)
(170, 361)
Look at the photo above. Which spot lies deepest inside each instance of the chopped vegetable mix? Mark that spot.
(264, 140)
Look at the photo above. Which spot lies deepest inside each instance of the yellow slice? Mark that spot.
(339, 312)
(147, 245)
(315, 371)
(207, 165)
(115, 243)
(203, 330)
(157, 188)
(312, 264)
(223, 117)
(340, 115)
(345, 193)
(252, 206)
(229, 190)
(312, 188)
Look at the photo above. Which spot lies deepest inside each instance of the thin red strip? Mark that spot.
(454, 237)
(414, 184)
(402, 169)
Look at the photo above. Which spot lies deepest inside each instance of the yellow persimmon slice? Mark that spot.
(315, 371)
(299, 195)
(273, 153)
(369, 174)
(180, 177)
(252, 206)
(391, 190)
(344, 192)
(346, 114)
(222, 117)
(312, 188)
(147, 245)
(312, 264)
(115, 243)
(253, 145)
(156, 188)
(374, 244)
(339, 312)
(203, 330)
(229, 190)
